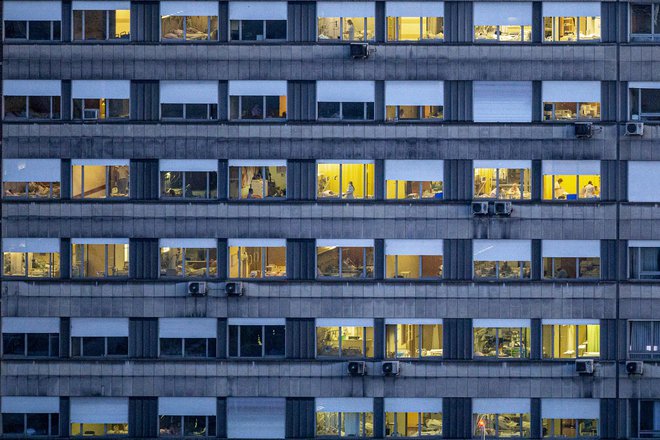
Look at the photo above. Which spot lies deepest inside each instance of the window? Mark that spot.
(571, 180)
(571, 22)
(192, 258)
(99, 337)
(106, 20)
(344, 417)
(346, 180)
(502, 101)
(188, 179)
(243, 411)
(502, 179)
(502, 259)
(649, 418)
(38, 337)
(257, 21)
(414, 179)
(257, 258)
(99, 416)
(644, 340)
(413, 338)
(501, 338)
(189, 21)
(32, 21)
(32, 99)
(412, 417)
(100, 100)
(501, 418)
(31, 257)
(413, 259)
(345, 100)
(257, 100)
(415, 21)
(571, 100)
(99, 258)
(644, 259)
(30, 416)
(256, 338)
(503, 22)
(99, 178)
(187, 416)
(188, 337)
(568, 339)
(257, 179)
(189, 100)
(570, 418)
(344, 338)
(645, 22)
(571, 259)
(31, 178)
(644, 101)
(345, 258)
(346, 21)
(414, 100)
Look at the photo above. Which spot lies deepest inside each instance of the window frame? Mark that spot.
(183, 264)
(420, 342)
(84, 261)
(655, 330)
(421, 39)
(521, 268)
(365, 179)
(498, 34)
(108, 188)
(264, 263)
(263, 338)
(105, 117)
(341, 31)
(52, 338)
(496, 418)
(577, 269)
(420, 418)
(644, 433)
(551, 424)
(551, 328)
(183, 196)
(555, 25)
(211, 421)
(654, 36)
(53, 425)
(185, 29)
(26, 274)
(419, 183)
(497, 185)
(497, 357)
(81, 347)
(105, 429)
(264, 28)
(106, 38)
(365, 273)
(340, 354)
(53, 31)
(578, 104)
(365, 111)
(645, 117)
(210, 350)
(577, 185)
(211, 112)
(264, 183)
(635, 264)
(264, 118)
(26, 195)
(420, 111)
(363, 416)
(27, 108)
(420, 268)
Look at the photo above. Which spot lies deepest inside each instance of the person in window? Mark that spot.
(122, 180)
(250, 194)
(256, 111)
(514, 191)
(589, 191)
(351, 30)
(561, 273)
(350, 191)
(560, 193)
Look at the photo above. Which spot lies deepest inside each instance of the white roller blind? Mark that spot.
(500, 406)
(210, 243)
(507, 164)
(571, 91)
(99, 410)
(99, 241)
(101, 162)
(571, 248)
(501, 323)
(38, 245)
(571, 167)
(414, 170)
(502, 250)
(99, 326)
(644, 243)
(414, 9)
(187, 406)
(31, 170)
(644, 181)
(257, 242)
(256, 321)
(354, 242)
(188, 165)
(643, 85)
(253, 418)
(257, 88)
(32, 87)
(344, 404)
(100, 5)
(502, 101)
(187, 328)
(344, 322)
(345, 91)
(30, 405)
(570, 408)
(97, 89)
(346, 9)
(32, 10)
(413, 247)
(258, 10)
(571, 9)
(395, 404)
(258, 163)
(414, 93)
(570, 322)
(190, 8)
(30, 325)
(189, 92)
(502, 13)
(348, 161)
(413, 321)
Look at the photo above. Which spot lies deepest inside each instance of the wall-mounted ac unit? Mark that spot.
(479, 208)
(357, 368)
(359, 50)
(584, 129)
(634, 129)
(234, 289)
(635, 367)
(197, 288)
(584, 366)
(391, 368)
(503, 208)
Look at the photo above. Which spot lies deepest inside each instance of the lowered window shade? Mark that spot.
(344, 404)
(257, 10)
(345, 91)
(187, 328)
(99, 326)
(257, 88)
(503, 14)
(99, 241)
(257, 242)
(189, 92)
(341, 322)
(644, 243)
(571, 9)
(209, 243)
(413, 405)
(32, 87)
(500, 406)
(502, 101)
(357, 242)
(101, 162)
(644, 181)
(108, 89)
(506, 164)
(31, 170)
(187, 406)
(571, 167)
(32, 10)
(643, 85)
(571, 91)
(345, 9)
(37, 245)
(570, 322)
(256, 321)
(414, 170)
(30, 405)
(99, 410)
(571, 248)
(30, 325)
(196, 8)
(413, 247)
(243, 412)
(500, 323)
(502, 250)
(100, 5)
(570, 408)
(345, 161)
(414, 93)
(414, 9)
(257, 163)
(414, 321)
(188, 165)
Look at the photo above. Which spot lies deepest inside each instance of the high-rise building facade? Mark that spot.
(324, 219)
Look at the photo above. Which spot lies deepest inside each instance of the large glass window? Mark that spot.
(31, 190)
(258, 30)
(501, 342)
(189, 184)
(196, 28)
(644, 260)
(502, 22)
(254, 261)
(413, 266)
(413, 424)
(570, 111)
(414, 190)
(99, 429)
(649, 418)
(257, 107)
(255, 180)
(100, 109)
(33, 30)
(414, 100)
(351, 111)
(344, 424)
(510, 270)
(188, 347)
(99, 346)
(502, 425)
(101, 25)
(579, 22)
(31, 344)
(501, 183)
(644, 340)
(344, 261)
(99, 181)
(345, 341)
(254, 340)
(345, 180)
(32, 107)
(570, 418)
(414, 179)
(97, 260)
(99, 416)
(190, 262)
(30, 424)
(571, 187)
(415, 28)
(31, 264)
(645, 22)
(199, 112)
(571, 267)
(645, 102)
(568, 341)
(186, 426)
(413, 340)
(342, 28)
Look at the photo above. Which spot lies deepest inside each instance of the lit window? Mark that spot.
(257, 179)
(257, 258)
(347, 338)
(504, 180)
(187, 416)
(345, 258)
(414, 179)
(411, 339)
(257, 21)
(501, 418)
(571, 100)
(27, 416)
(102, 24)
(346, 21)
(644, 22)
(503, 22)
(256, 338)
(31, 257)
(99, 337)
(192, 258)
(412, 417)
(644, 100)
(501, 338)
(31, 178)
(571, 259)
(571, 180)
(570, 418)
(32, 21)
(99, 179)
(99, 416)
(196, 22)
(408, 21)
(413, 259)
(414, 100)
(345, 100)
(344, 417)
(571, 22)
(502, 259)
(100, 100)
(99, 258)
(189, 179)
(345, 180)
(566, 339)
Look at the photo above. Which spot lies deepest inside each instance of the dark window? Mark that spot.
(649, 425)
(13, 423)
(93, 346)
(188, 347)
(15, 29)
(13, 344)
(39, 107)
(98, 346)
(15, 107)
(644, 340)
(171, 111)
(117, 346)
(253, 29)
(37, 424)
(38, 344)
(352, 110)
(274, 340)
(276, 29)
(256, 340)
(644, 263)
(117, 108)
(329, 110)
(349, 111)
(171, 347)
(195, 347)
(197, 111)
(40, 30)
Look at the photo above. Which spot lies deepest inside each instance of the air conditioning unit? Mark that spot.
(391, 368)
(197, 288)
(584, 129)
(359, 50)
(357, 368)
(479, 208)
(635, 367)
(234, 289)
(503, 208)
(90, 114)
(584, 366)
(634, 128)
